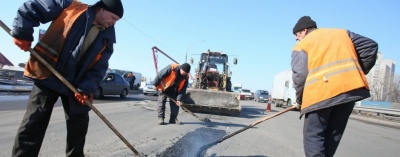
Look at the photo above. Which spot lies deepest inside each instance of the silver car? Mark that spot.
(112, 84)
(148, 90)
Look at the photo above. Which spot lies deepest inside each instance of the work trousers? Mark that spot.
(161, 106)
(34, 124)
(324, 128)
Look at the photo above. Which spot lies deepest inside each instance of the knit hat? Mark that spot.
(185, 67)
(303, 23)
(114, 6)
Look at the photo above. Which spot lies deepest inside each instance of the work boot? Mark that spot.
(175, 121)
(160, 121)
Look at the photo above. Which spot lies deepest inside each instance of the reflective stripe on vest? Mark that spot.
(331, 69)
(332, 64)
(53, 41)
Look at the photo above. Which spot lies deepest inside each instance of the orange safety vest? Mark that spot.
(169, 80)
(332, 64)
(52, 42)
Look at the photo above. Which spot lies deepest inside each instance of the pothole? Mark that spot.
(193, 142)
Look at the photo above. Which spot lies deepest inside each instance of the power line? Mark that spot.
(150, 37)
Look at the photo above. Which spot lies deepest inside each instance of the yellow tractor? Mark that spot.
(211, 89)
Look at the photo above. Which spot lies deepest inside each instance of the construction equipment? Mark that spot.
(211, 90)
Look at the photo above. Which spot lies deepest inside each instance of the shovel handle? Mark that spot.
(184, 108)
(256, 123)
(44, 62)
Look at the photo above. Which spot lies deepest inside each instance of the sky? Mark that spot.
(257, 32)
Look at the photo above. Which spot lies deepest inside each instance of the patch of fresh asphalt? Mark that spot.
(192, 142)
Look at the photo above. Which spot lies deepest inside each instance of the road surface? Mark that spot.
(136, 119)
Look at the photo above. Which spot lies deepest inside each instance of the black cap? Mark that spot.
(303, 23)
(114, 6)
(185, 67)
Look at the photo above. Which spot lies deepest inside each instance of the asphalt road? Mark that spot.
(136, 119)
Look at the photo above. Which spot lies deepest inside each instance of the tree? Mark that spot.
(394, 89)
(376, 91)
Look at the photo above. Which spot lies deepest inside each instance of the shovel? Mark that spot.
(205, 119)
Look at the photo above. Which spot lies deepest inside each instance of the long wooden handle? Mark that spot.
(184, 108)
(187, 110)
(73, 89)
(256, 123)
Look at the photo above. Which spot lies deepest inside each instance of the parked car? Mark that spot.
(246, 93)
(148, 89)
(262, 96)
(112, 84)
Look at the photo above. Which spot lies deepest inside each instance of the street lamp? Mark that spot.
(190, 48)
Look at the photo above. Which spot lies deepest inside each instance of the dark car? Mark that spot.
(261, 96)
(112, 84)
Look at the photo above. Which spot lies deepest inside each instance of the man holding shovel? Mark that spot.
(78, 44)
(171, 81)
(329, 68)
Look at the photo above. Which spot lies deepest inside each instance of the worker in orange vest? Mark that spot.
(172, 81)
(78, 44)
(329, 68)
(131, 79)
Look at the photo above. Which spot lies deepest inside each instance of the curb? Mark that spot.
(376, 121)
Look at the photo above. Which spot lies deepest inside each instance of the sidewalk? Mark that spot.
(392, 123)
(15, 88)
(7, 89)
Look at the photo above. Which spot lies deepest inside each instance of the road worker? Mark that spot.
(78, 44)
(172, 81)
(329, 67)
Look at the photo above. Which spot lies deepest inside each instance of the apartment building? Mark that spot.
(380, 78)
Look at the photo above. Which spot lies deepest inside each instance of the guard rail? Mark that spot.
(392, 112)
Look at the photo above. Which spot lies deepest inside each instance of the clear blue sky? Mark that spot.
(257, 32)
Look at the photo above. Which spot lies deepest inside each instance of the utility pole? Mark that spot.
(190, 48)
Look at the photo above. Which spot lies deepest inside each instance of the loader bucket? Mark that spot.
(212, 102)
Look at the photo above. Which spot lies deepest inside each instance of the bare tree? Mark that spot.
(376, 91)
(394, 89)
(144, 79)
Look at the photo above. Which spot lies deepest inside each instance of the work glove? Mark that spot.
(23, 44)
(81, 97)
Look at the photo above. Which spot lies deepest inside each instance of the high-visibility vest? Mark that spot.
(52, 42)
(333, 66)
(170, 79)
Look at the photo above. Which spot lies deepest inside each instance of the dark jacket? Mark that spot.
(131, 79)
(83, 74)
(366, 50)
(164, 73)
